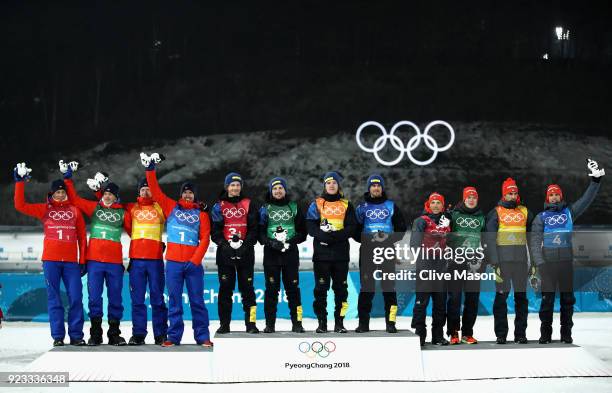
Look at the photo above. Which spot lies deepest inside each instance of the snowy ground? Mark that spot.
(21, 343)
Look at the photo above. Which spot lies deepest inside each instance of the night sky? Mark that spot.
(74, 74)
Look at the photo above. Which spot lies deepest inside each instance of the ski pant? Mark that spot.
(191, 276)
(334, 273)
(151, 272)
(291, 283)
(514, 274)
(368, 289)
(557, 274)
(99, 273)
(228, 272)
(470, 289)
(70, 274)
(426, 290)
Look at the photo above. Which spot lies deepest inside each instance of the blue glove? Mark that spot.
(68, 173)
(16, 176)
(83, 269)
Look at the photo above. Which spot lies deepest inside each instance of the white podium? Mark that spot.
(286, 356)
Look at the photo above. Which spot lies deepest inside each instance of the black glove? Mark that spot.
(83, 269)
(275, 244)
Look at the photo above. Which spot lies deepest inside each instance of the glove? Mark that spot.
(534, 280)
(147, 162)
(326, 226)
(444, 222)
(83, 269)
(276, 245)
(157, 158)
(380, 236)
(63, 166)
(594, 168)
(286, 246)
(93, 185)
(235, 242)
(101, 177)
(21, 172)
(474, 266)
(498, 276)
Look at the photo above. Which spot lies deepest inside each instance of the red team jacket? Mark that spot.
(65, 235)
(99, 250)
(181, 252)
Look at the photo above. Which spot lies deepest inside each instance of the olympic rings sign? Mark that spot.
(60, 215)
(558, 219)
(317, 348)
(282, 215)
(108, 216)
(468, 222)
(233, 212)
(185, 216)
(379, 214)
(145, 215)
(412, 144)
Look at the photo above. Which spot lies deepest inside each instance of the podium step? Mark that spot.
(288, 356)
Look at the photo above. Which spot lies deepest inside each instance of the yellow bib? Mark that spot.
(147, 222)
(333, 212)
(512, 226)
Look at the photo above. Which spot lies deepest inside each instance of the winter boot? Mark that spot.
(95, 332)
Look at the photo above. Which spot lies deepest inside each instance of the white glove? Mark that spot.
(73, 165)
(157, 158)
(93, 184)
(235, 245)
(285, 247)
(594, 168)
(444, 222)
(327, 227)
(380, 236)
(474, 266)
(63, 167)
(145, 160)
(101, 177)
(22, 170)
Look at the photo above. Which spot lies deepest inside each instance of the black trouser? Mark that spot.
(436, 290)
(368, 288)
(335, 272)
(291, 282)
(515, 274)
(456, 287)
(557, 274)
(227, 281)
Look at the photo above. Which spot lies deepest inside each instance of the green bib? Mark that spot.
(283, 216)
(466, 230)
(107, 224)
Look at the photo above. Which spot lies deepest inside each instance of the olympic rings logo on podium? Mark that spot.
(317, 348)
(58, 215)
(412, 144)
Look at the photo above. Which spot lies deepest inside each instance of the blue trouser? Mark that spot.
(151, 271)
(70, 273)
(192, 276)
(97, 274)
